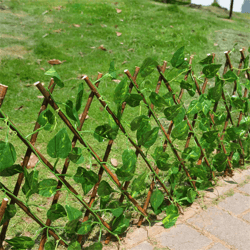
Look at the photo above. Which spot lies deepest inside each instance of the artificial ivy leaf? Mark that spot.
(104, 201)
(21, 242)
(246, 62)
(79, 96)
(237, 102)
(172, 112)
(138, 183)
(150, 137)
(95, 246)
(156, 199)
(87, 178)
(220, 162)
(75, 245)
(239, 88)
(204, 124)
(112, 70)
(180, 116)
(72, 226)
(207, 60)
(56, 211)
(148, 66)
(144, 127)
(216, 92)
(168, 99)
(172, 216)
(52, 72)
(31, 183)
(71, 112)
(178, 58)
(205, 104)
(194, 107)
(210, 136)
(245, 123)
(235, 133)
(133, 100)
(219, 118)
(121, 91)
(161, 158)
(85, 227)
(247, 84)
(211, 70)
(73, 213)
(46, 119)
(157, 100)
(104, 189)
(191, 195)
(12, 170)
(189, 87)
(60, 145)
(76, 156)
(191, 153)
(117, 211)
(7, 155)
(135, 124)
(10, 212)
(230, 76)
(105, 132)
(180, 131)
(47, 187)
(50, 245)
(120, 224)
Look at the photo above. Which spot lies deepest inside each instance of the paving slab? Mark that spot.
(143, 246)
(237, 204)
(182, 237)
(224, 226)
(218, 246)
(136, 237)
(246, 217)
(245, 188)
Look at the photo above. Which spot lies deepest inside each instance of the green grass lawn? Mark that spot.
(33, 32)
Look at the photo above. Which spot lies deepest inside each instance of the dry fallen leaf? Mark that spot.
(101, 108)
(58, 31)
(27, 220)
(104, 25)
(115, 3)
(19, 107)
(28, 85)
(45, 12)
(116, 26)
(32, 162)
(118, 33)
(132, 50)
(42, 69)
(171, 26)
(114, 162)
(102, 47)
(116, 81)
(40, 96)
(121, 43)
(55, 62)
(45, 35)
(58, 7)
(77, 25)
(124, 62)
(118, 10)
(1, 128)
(215, 44)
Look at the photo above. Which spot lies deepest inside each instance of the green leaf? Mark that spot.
(121, 91)
(85, 227)
(230, 76)
(21, 242)
(161, 159)
(246, 84)
(7, 155)
(95, 246)
(191, 195)
(150, 137)
(47, 119)
(105, 132)
(76, 156)
(189, 87)
(75, 245)
(104, 189)
(178, 58)
(148, 66)
(249, 49)
(220, 162)
(207, 60)
(56, 211)
(211, 70)
(172, 112)
(79, 96)
(246, 62)
(117, 211)
(219, 118)
(205, 104)
(52, 72)
(237, 102)
(112, 70)
(216, 92)
(194, 107)
(47, 187)
(168, 97)
(135, 124)
(180, 116)
(210, 136)
(120, 224)
(156, 199)
(144, 127)
(50, 245)
(12, 170)
(71, 112)
(9, 213)
(60, 145)
(31, 183)
(87, 178)
(191, 153)
(104, 201)
(204, 124)
(157, 100)
(172, 216)
(72, 226)
(133, 100)
(180, 131)
(73, 213)
(139, 184)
